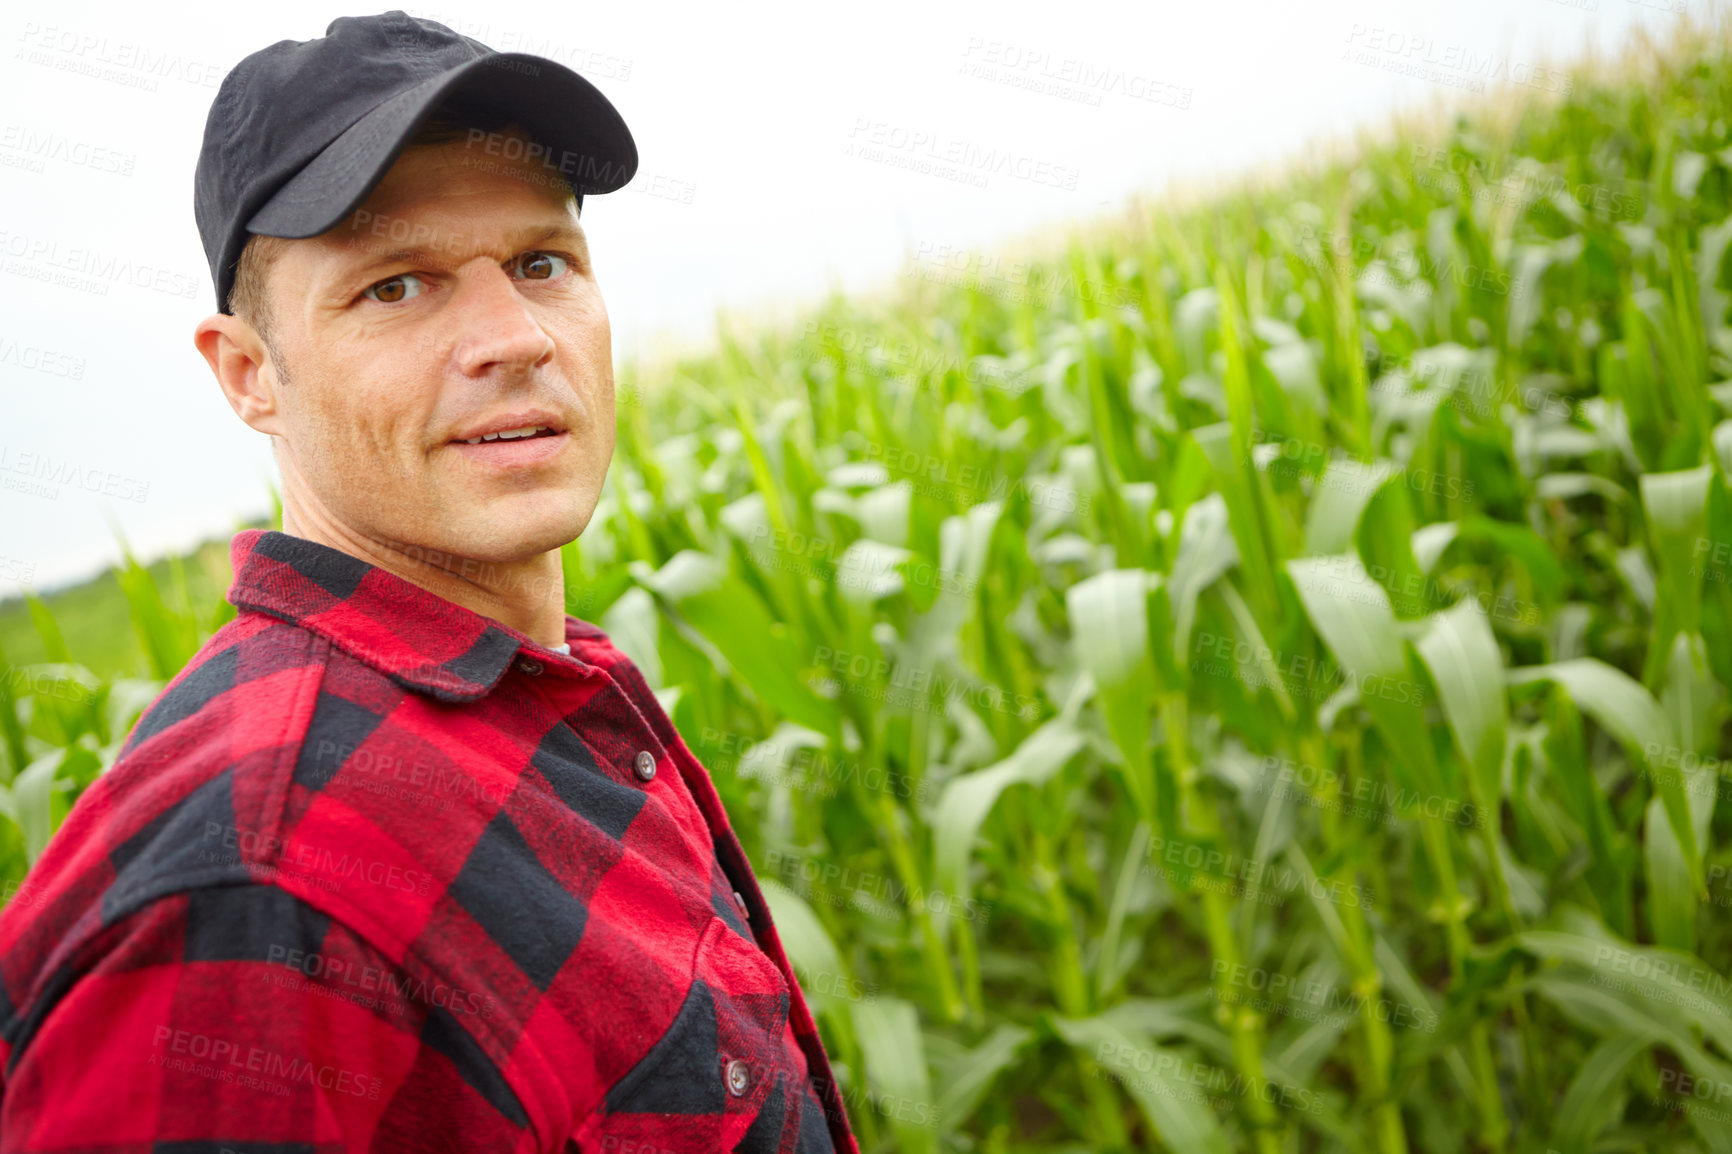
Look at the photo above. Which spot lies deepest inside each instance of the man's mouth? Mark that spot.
(523, 434)
(516, 448)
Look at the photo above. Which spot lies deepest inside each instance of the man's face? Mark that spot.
(458, 300)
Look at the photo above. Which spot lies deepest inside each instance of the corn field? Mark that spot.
(1253, 678)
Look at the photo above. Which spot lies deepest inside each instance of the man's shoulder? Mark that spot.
(221, 779)
(206, 767)
(202, 794)
(247, 658)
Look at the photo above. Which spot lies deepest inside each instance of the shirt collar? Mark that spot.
(418, 639)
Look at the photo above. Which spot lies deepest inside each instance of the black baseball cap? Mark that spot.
(301, 132)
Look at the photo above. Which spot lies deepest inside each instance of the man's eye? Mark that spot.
(541, 265)
(398, 288)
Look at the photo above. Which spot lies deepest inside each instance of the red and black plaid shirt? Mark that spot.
(376, 872)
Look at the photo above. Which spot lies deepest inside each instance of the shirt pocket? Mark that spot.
(703, 1084)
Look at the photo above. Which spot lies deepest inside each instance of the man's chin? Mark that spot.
(511, 529)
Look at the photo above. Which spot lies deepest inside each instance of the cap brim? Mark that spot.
(586, 142)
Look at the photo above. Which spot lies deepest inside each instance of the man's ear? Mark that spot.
(241, 363)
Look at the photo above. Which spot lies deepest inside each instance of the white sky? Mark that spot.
(746, 196)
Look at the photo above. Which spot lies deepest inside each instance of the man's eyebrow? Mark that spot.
(364, 257)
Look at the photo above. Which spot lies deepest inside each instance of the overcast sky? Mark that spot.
(778, 149)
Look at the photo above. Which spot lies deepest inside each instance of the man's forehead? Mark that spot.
(430, 199)
(377, 236)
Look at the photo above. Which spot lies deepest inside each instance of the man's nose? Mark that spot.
(495, 324)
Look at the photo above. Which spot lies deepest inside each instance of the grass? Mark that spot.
(1254, 683)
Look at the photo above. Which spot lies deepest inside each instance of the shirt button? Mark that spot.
(645, 766)
(530, 666)
(739, 1077)
(741, 902)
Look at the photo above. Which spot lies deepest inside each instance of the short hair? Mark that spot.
(249, 299)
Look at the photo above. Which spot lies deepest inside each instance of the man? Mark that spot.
(406, 858)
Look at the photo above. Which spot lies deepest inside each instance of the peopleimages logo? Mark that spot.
(317, 862)
(1207, 867)
(880, 140)
(1286, 778)
(1066, 77)
(225, 1060)
(45, 146)
(1456, 65)
(1273, 992)
(37, 359)
(595, 174)
(1662, 972)
(1256, 665)
(829, 879)
(87, 269)
(42, 467)
(914, 686)
(372, 979)
(1173, 1076)
(124, 62)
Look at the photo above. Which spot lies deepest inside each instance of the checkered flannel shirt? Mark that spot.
(375, 872)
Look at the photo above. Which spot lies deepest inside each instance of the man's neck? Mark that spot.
(527, 595)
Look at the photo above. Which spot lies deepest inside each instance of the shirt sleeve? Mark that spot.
(242, 1018)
